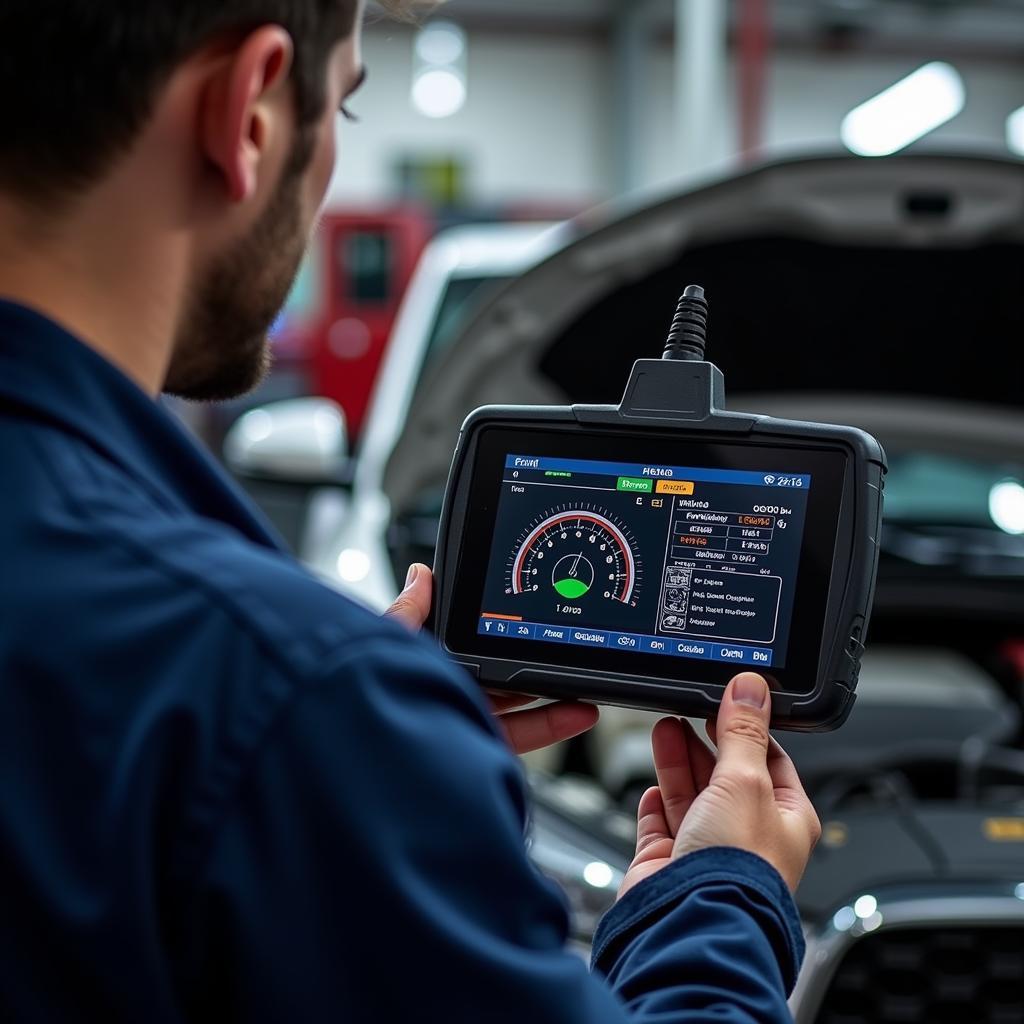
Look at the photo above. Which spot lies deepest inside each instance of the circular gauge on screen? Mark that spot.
(576, 553)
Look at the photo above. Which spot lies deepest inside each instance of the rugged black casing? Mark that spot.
(686, 397)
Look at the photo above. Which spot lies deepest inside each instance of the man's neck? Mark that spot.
(101, 278)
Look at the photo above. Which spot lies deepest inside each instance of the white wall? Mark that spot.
(537, 123)
(809, 94)
(533, 127)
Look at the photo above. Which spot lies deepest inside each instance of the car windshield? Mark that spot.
(950, 512)
(462, 297)
(926, 488)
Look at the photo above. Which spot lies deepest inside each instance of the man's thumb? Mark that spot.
(741, 730)
(412, 606)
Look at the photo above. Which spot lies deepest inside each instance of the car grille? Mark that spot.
(952, 975)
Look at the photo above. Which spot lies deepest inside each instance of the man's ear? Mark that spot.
(243, 110)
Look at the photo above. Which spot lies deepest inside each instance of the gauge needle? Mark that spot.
(575, 565)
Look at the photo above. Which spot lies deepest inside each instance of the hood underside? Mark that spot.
(893, 277)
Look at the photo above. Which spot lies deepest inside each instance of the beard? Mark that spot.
(222, 349)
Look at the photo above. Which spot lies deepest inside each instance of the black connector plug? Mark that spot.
(682, 387)
(688, 335)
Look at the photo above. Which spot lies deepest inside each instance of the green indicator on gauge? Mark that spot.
(580, 552)
(572, 576)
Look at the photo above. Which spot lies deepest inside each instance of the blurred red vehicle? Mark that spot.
(334, 328)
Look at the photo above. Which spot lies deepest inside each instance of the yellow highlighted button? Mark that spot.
(674, 487)
(1005, 830)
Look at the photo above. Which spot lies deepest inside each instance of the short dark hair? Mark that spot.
(78, 77)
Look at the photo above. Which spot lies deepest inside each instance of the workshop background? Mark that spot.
(530, 186)
(577, 101)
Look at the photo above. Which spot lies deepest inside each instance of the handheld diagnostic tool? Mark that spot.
(642, 554)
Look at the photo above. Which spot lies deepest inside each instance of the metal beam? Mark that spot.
(753, 30)
(700, 69)
(631, 45)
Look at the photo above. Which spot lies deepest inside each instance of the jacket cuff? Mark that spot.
(654, 898)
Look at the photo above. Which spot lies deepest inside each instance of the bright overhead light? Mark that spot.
(441, 42)
(598, 874)
(1006, 506)
(1015, 131)
(865, 906)
(353, 565)
(438, 92)
(872, 923)
(844, 919)
(906, 111)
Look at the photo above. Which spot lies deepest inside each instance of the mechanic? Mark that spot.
(229, 793)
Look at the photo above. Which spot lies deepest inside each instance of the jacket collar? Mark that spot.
(48, 374)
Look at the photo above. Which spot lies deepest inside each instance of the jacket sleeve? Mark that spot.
(713, 936)
(371, 866)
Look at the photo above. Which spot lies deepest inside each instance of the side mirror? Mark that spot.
(302, 441)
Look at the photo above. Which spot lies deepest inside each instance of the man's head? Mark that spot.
(222, 110)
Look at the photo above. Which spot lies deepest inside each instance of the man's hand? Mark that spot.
(526, 730)
(748, 797)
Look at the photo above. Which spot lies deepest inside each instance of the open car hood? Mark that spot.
(827, 277)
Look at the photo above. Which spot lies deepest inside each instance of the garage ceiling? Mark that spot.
(995, 26)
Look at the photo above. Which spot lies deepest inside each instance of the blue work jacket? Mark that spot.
(227, 793)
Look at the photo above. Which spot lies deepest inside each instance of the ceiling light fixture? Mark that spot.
(906, 111)
(1006, 506)
(441, 42)
(438, 92)
(439, 75)
(1015, 131)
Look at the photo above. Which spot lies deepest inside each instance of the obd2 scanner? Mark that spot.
(643, 554)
